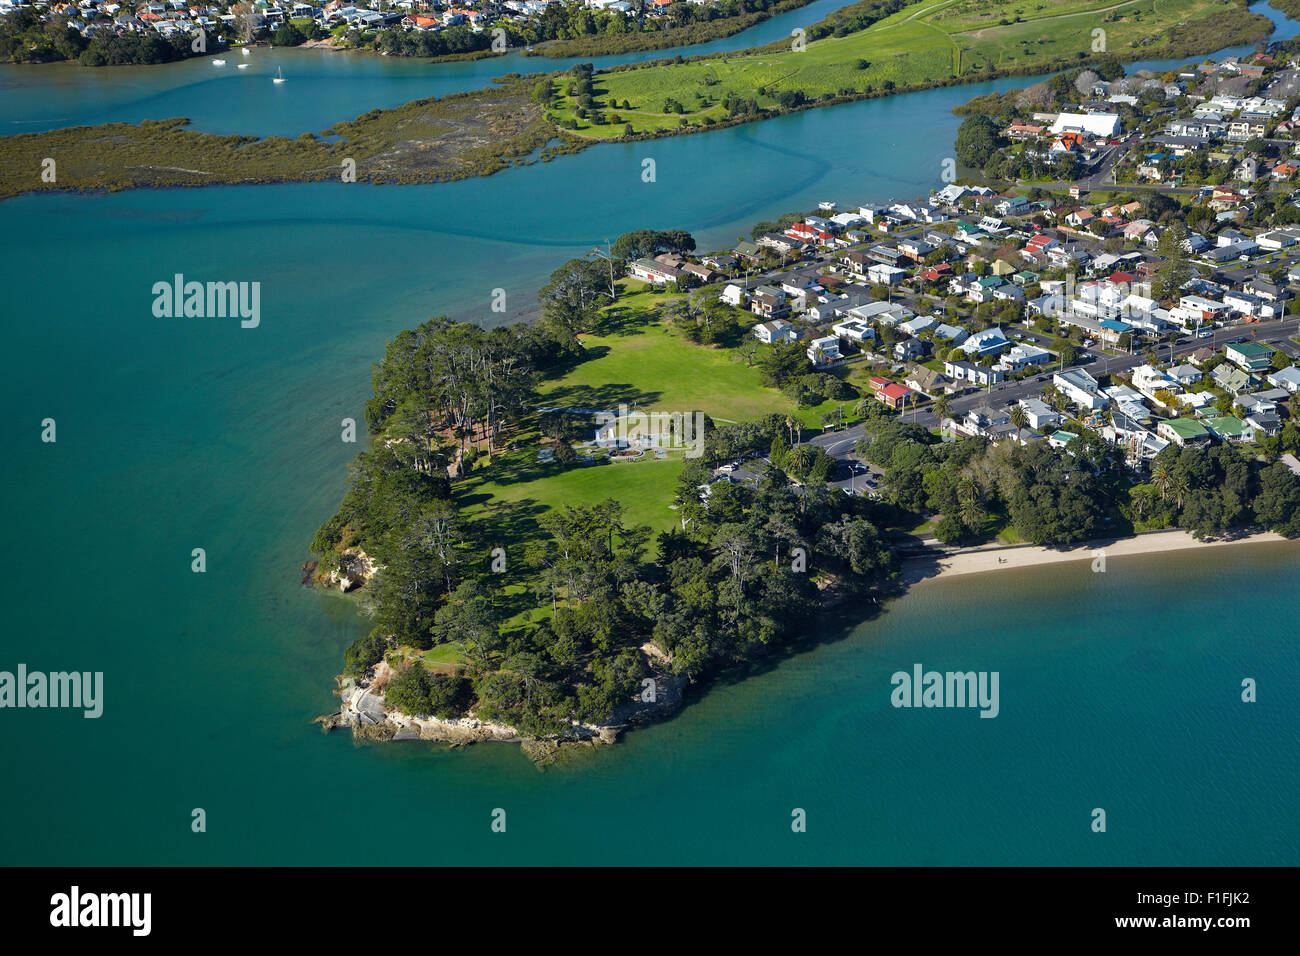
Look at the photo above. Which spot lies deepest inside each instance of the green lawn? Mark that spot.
(644, 488)
(647, 365)
(928, 40)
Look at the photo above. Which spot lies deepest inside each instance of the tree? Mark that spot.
(1020, 418)
(574, 296)
(1277, 506)
(286, 34)
(978, 139)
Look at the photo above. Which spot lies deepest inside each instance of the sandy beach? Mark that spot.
(1010, 557)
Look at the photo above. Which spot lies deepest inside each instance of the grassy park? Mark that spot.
(927, 42)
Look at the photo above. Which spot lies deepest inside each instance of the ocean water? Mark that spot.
(1119, 691)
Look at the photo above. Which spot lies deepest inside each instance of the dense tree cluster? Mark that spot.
(736, 578)
(1051, 496)
(1216, 490)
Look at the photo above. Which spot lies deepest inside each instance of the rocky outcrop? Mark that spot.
(363, 709)
(354, 570)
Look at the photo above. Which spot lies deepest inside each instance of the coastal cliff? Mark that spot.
(365, 712)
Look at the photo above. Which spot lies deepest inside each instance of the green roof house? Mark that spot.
(1183, 431)
(1230, 428)
(1250, 356)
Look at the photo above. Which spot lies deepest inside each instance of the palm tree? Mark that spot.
(1020, 418)
(1181, 490)
(1162, 478)
(942, 406)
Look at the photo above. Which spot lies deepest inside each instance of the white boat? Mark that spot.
(246, 51)
(218, 62)
(243, 66)
(279, 76)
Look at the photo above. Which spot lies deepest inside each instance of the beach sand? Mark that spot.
(1010, 557)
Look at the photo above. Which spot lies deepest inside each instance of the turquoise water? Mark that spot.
(1117, 690)
(324, 86)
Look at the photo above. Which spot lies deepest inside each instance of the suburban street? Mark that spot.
(839, 443)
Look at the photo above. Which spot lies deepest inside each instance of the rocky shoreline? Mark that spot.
(363, 710)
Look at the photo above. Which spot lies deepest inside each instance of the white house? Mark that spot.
(825, 350)
(1039, 413)
(988, 342)
(778, 330)
(734, 295)
(854, 330)
(1288, 378)
(1079, 387)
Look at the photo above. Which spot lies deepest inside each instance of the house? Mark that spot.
(1079, 387)
(733, 294)
(987, 342)
(1059, 439)
(1151, 382)
(1249, 356)
(1022, 355)
(1254, 404)
(885, 275)
(890, 393)
(783, 244)
(856, 264)
(1080, 218)
(917, 325)
(1037, 248)
(987, 421)
(1013, 206)
(1288, 378)
(1229, 428)
(1248, 126)
(909, 350)
(1231, 379)
(973, 374)
(824, 351)
(1183, 431)
(648, 270)
(926, 380)
(778, 330)
(1264, 289)
(855, 330)
(1267, 423)
(769, 305)
(1185, 375)
(1039, 413)
(882, 313)
(915, 249)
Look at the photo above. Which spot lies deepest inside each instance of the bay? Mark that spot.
(1119, 691)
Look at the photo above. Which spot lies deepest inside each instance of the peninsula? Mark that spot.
(920, 387)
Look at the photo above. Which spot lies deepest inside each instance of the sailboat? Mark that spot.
(279, 76)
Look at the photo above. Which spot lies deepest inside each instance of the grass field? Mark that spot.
(929, 40)
(648, 365)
